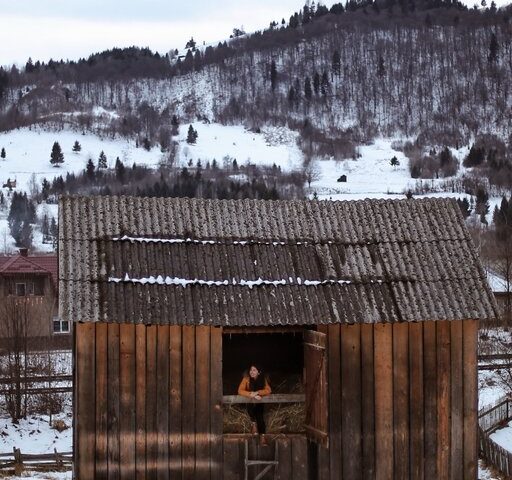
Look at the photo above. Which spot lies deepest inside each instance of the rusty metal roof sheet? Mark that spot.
(250, 262)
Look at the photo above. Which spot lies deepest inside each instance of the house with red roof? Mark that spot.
(29, 299)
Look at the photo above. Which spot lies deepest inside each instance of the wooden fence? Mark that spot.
(17, 461)
(491, 419)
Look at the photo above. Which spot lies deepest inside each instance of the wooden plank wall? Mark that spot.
(402, 401)
(402, 404)
(148, 402)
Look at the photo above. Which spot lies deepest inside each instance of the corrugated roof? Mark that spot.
(250, 262)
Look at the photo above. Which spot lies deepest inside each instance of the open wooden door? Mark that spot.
(315, 373)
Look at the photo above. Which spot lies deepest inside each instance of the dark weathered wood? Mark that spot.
(162, 401)
(299, 458)
(85, 398)
(383, 367)
(232, 465)
(216, 420)
(113, 402)
(367, 402)
(334, 369)
(284, 468)
(401, 400)
(430, 398)
(101, 401)
(140, 402)
(470, 333)
(202, 393)
(127, 401)
(151, 403)
(443, 399)
(272, 398)
(416, 401)
(323, 463)
(351, 401)
(175, 404)
(189, 403)
(457, 401)
(315, 368)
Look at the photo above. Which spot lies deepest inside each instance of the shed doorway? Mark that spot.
(280, 354)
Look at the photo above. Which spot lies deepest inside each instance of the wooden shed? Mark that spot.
(386, 294)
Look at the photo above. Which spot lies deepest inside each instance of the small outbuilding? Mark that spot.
(342, 178)
(376, 303)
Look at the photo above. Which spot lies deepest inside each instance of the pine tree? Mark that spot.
(494, 49)
(336, 63)
(56, 157)
(381, 68)
(307, 89)
(2, 154)
(175, 126)
(325, 84)
(191, 135)
(316, 83)
(45, 189)
(120, 170)
(90, 170)
(273, 75)
(102, 161)
(394, 162)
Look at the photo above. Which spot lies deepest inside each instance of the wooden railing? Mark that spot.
(491, 419)
(17, 461)
(272, 398)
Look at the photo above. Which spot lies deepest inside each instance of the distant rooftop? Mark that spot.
(23, 262)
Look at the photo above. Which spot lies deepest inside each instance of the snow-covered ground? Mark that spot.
(274, 145)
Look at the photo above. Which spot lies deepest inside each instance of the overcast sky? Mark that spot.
(70, 29)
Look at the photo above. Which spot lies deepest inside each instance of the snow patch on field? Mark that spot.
(275, 145)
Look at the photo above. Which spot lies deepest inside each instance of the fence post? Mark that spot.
(58, 459)
(18, 462)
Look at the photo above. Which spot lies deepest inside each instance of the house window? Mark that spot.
(60, 326)
(21, 289)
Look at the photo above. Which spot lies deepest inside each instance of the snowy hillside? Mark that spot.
(369, 175)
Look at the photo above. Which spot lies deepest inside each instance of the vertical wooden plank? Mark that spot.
(416, 400)
(162, 401)
(323, 463)
(457, 401)
(189, 402)
(175, 445)
(401, 399)
(151, 403)
(202, 393)
(233, 465)
(299, 458)
(430, 398)
(216, 423)
(127, 401)
(367, 402)
(140, 401)
(113, 401)
(470, 340)
(334, 387)
(101, 401)
(284, 468)
(350, 342)
(383, 367)
(85, 397)
(443, 399)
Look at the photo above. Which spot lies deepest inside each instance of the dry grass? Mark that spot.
(280, 418)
